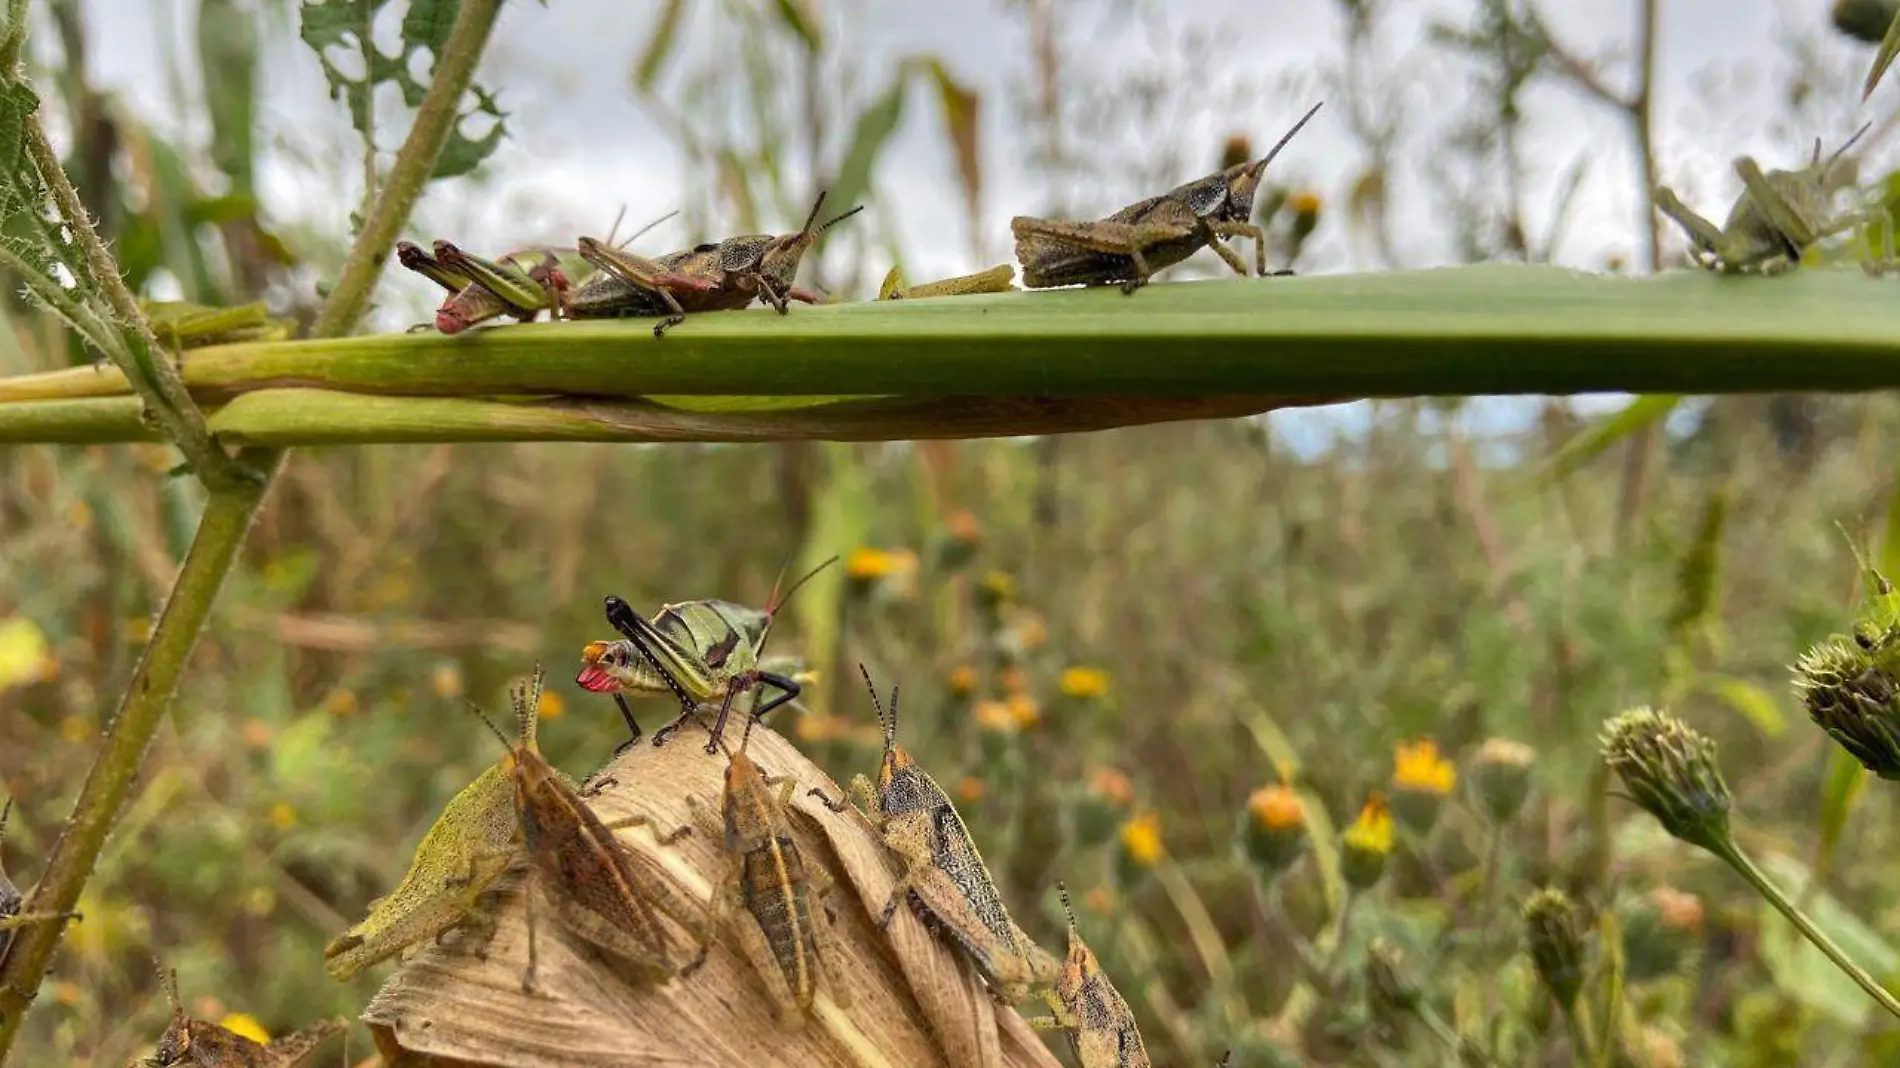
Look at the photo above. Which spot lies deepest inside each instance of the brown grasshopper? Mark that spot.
(700, 651)
(518, 284)
(943, 875)
(190, 1043)
(596, 891)
(12, 902)
(470, 845)
(1101, 1027)
(999, 279)
(715, 276)
(1135, 242)
(1777, 217)
(768, 877)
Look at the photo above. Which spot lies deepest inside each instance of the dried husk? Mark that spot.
(912, 1001)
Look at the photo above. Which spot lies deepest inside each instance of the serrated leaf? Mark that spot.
(659, 46)
(462, 153)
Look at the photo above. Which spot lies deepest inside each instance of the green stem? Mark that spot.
(228, 514)
(1342, 929)
(1577, 1022)
(1487, 924)
(415, 162)
(1772, 894)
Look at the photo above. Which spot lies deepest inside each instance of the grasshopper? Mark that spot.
(12, 902)
(596, 891)
(716, 276)
(1778, 216)
(700, 651)
(1135, 242)
(190, 1043)
(1101, 1026)
(471, 844)
(999, 279)
(518, 284)
(768, 877)
(943, 875)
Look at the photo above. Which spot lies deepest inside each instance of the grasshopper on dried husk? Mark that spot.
(943, 875)
(592, 885)
(190, 1043)
(518, 284)
(1135, 242)
(12, 902)
(1101, 1027)
(700, 651)
(715, 276)
(1779, 215)
(767, 876)
(998, 279)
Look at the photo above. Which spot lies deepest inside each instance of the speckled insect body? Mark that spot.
(189, 1043)
(1132, 244)
(1100, 1025)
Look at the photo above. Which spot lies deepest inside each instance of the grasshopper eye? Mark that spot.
(742, 254)
(1207, 200)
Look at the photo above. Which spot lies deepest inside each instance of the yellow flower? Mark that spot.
(552, 705)
(243, 1023)
(1277, 808)
(23, 652)
(1024, 710)
(998, 587)
(283, 816)
(1013, 680)
(970, 790)
(1418, 767)
(867, 564)
(1305, 202)
(67, 992)
(995, 717)
(961, 681)
(1372, 831)
(1031, 632)
(1141, 840)
(447, 680)
(75, 728)
(1084, 683)
(342, 704)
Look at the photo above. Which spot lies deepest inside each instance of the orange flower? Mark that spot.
(1141, 840)
(961, 681)
(1112, 786)
(1277, 808)
(1418, 767)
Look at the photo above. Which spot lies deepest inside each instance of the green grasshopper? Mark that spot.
(596, 891)
(12, 902)
(700, 651)
(999, 279)
(1142, 238)
(1778, 216)
(1101, 1027)
(190, 1043)
(715, 276)
(467, 849)
(768, 877)
(518, 284)
(943, 875)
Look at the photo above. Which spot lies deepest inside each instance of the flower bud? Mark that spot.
(1669, 769)
(1084, 683)
(1853, 698)
(1421, 779)
(1502, 777)
(1661, 933)
(1555, 936)
(1390, 991)
(1306, 206)
(1366, 844)
(962, 536)
(1141, 848)
(1104, 802)
(1274, 832)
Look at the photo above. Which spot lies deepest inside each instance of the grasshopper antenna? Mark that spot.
(632, 237)
(813, 217)
(888, 724)
(1841, 151)
(1288, 136)
(775, 602)
(527, 702)
(476, 710)
(1068, 909)
(837, 220)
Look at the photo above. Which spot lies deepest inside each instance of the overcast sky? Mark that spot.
(581, 144)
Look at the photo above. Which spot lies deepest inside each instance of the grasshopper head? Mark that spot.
(895, 759)
(175, 1044)
(1081, 961)
(1242, 180)
(602, 663)
(780, 258)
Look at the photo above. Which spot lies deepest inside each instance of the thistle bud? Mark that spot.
(1661, 932)
(1389, 990)
(1366, 844)
(962, 536)
(1274, 833)
(1502, 777)
(1851, 697)
(1556, 944)
(1104, 803)
(1306, 206)
(1421, 779)
(1669, 769)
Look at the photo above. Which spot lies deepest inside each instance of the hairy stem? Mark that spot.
(233, 504)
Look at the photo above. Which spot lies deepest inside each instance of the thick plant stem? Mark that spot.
(415, 162)
(1746, 868)
(227, 518)
(108, 786)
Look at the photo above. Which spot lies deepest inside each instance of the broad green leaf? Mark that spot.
(1595, 440)
(1803, 971)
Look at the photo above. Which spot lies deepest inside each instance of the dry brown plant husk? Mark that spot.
(913, 1002)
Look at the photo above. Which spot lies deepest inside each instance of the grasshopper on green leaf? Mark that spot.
(1779, 215)
(943, 875)
(1135, 242)
(700, 651)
